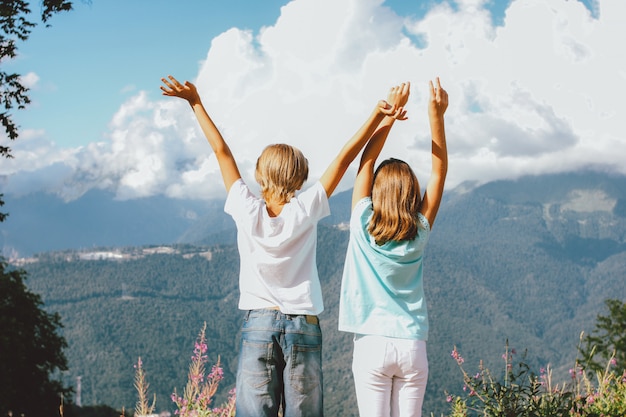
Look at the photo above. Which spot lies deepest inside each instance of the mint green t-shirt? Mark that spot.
(382, 289)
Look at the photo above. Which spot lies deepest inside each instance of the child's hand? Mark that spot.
(390, 110)
(174, 88)
(396, 100)
(438, 100)
(399, 95)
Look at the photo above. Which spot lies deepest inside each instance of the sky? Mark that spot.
(535, 87)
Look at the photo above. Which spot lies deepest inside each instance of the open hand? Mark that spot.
(399, 95)
(396, 100)
(174, 88)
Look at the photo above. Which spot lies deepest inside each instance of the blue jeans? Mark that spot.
(280, 364)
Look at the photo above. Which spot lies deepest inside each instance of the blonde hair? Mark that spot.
(280, 171)
(396, 201)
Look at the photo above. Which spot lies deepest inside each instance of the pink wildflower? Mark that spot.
(457, 356)
(217, 373)
(200, 348)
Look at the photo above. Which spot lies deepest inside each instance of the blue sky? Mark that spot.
(534, 87)
(95, 56)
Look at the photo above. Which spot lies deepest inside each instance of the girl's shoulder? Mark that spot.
(363, 204)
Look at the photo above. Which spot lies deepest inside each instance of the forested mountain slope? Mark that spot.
(529, 261)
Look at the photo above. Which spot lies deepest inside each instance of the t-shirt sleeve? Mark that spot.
(423, 222)
(315, 201)
(236, 199)
(361, 206)
(360, 217)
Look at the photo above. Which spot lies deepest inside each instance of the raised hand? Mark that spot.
(173, 88)
(396, 100)
(225, 159)
(438, 100)
(399, 95)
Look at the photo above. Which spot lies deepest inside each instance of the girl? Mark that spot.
(382, 297)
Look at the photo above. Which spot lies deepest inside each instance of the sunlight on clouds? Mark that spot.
(540, 93)
(301, 94)
(519, 84)
(204, 181)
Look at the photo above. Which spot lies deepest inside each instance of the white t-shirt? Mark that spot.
(278, 254)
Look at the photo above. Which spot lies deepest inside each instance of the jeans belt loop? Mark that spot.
(309, 318)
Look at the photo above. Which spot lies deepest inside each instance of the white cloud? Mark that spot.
(541, 93)
(29, 80)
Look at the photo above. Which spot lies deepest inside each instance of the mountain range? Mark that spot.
(42, 222)
(526, 263)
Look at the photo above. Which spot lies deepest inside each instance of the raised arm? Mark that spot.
(333, 174)
(225, 159)
(398, 96)
(434, 190)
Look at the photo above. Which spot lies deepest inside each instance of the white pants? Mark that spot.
(389, 376)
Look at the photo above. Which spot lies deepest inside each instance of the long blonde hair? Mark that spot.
(396, 200)
(280, 171)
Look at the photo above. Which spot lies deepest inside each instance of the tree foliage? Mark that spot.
(2, 215)
(607, 339)
(16, 24)
(31, 350)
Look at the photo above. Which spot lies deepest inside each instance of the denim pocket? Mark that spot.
(306, 368)
(257, 363)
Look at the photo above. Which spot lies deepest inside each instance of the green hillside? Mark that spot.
(530, 262)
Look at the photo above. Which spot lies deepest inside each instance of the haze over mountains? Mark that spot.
(43, 222)
(530, 261)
